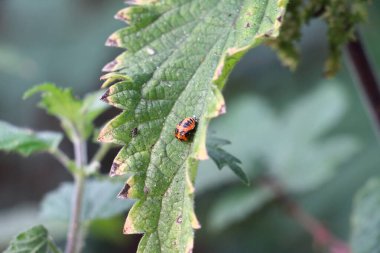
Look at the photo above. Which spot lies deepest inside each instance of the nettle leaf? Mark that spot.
(365, 219)
(223, 158)
(74, 114)
(25, 141)
(35, 239)
(179, 54)
(56, 206)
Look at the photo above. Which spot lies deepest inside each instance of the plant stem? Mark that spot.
(64, 160)
(94, 165)
(101, 152)
(74, 238)
(320, 234)
(361, 68)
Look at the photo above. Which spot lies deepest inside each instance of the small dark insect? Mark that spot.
(186, 128)
(134, 132)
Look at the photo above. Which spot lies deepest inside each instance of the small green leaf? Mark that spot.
(76, 115)
(365, 219)
(223, 158)
(25, 141)
(34, 240)
(56, 101)
(99, 201)
(236, 204)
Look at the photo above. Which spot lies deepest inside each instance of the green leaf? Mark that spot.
(300, 157)
(35, 240)
(223, 158)
(99, 201)
(293, 145)
(236, 204)
(180, 53)
(76, 116)
(25, 141)
(365, 219)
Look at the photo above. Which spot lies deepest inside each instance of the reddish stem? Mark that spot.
(366, 80)
(321, 235)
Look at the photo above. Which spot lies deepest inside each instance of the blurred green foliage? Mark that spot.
(26, 141)
(366, 219)
(35, 239)
(288, 146)
(58, 41)
(69, 50)
(99, 201)
(76, 116)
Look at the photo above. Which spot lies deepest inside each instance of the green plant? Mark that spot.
(179, 56)
(76, 117)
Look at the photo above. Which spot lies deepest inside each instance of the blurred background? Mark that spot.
(313, 135)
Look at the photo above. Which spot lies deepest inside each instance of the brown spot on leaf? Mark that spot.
(268, 33)
(179, 219)
(104, 135)
(128, 227)
(279, 18)
(110, 66)
(111, 42)
(104, 97)
(121, 15)
(123, 194)
(114, 168)
(134, 132)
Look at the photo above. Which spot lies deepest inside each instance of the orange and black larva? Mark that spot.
(186, 128)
